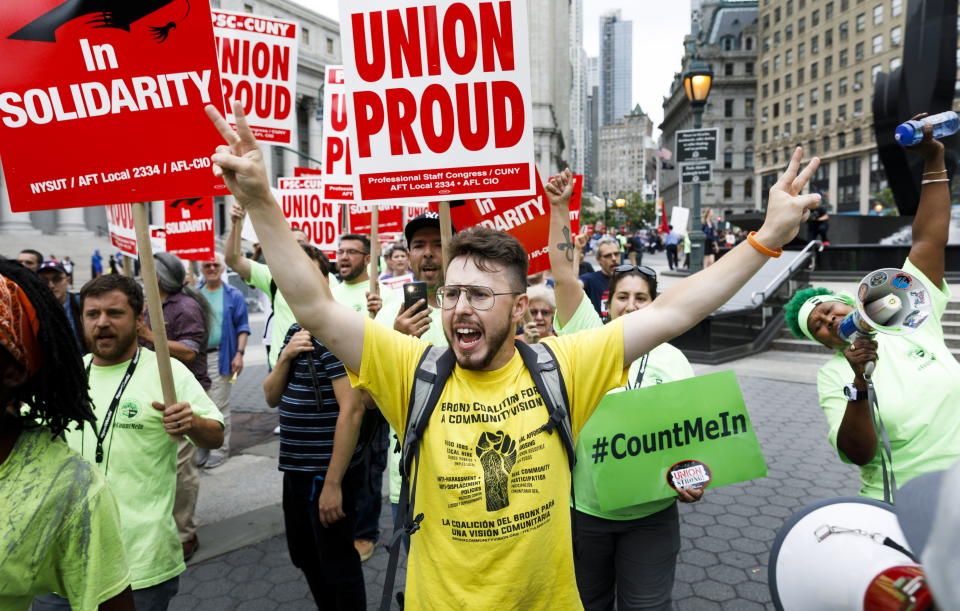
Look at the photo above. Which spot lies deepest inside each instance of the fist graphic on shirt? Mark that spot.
(497, 453)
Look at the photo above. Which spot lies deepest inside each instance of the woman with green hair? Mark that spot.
(917, 379)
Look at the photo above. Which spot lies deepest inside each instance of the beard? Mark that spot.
(476, 361)
(122, 341)
(351, 273)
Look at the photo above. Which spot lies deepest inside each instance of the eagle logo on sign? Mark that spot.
(118, 14)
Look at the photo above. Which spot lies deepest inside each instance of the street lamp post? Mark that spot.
(696, 84)
(605, 201)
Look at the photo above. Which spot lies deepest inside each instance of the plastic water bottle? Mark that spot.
(911, 132)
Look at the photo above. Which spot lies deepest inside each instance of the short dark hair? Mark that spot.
(484, 245)
(115, 282)
(358, 237)
(398, 248)
(33, 252)
(317, 256)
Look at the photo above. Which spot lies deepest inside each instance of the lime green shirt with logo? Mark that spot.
(917, 381)
(354, 296)
(664, 364)
(59, 527)
(392, 306)
(140, 460)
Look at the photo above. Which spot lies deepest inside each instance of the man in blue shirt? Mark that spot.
(58, 280)
(597, 284)
(229, 330)
(670, 243)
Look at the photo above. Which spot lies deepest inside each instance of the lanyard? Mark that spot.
(108, 417)
(643, 370)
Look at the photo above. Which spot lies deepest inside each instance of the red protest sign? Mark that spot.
(100, 106)
(299, 171)
(337, 168)
(258, 66)
(301, 200)
(188, 228)
(440, 94)
(525, 218)
(390, 218)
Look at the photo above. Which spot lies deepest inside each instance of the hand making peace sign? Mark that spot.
(240, 161)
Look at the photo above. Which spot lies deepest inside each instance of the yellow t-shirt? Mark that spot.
(493, 487)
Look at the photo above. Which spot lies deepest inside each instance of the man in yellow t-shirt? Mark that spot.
(492, 485)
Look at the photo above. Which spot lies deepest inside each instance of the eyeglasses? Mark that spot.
(479, 297)
(643, 269)
(609, 255)
(544, 313)
(210, 265)
(350, 252)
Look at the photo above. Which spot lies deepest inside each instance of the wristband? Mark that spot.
(933, 180)
(761, 248)
(239, 351)
(935, 172)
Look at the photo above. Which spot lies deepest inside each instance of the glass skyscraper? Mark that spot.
(616, 67)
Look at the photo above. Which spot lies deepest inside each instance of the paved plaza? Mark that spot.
(726, 537)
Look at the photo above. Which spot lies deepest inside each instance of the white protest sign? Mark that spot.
(337, 169)
(258, 67)
(301, 200)
(679, 217)
(123, 235)
(440, 101)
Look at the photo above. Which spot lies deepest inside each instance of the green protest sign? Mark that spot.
(694, 432)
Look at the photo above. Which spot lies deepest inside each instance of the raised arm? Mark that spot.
(566, 286)
(240, 162)
(931, 225)
(233, 257)
(690, 301)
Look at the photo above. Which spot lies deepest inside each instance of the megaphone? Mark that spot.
(889, 301)
(843, 554)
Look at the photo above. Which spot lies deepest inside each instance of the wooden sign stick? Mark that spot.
(445, 233)
(374, 250)
(149, 272)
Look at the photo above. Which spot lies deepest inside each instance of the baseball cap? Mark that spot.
(51, 264)
(427, 219)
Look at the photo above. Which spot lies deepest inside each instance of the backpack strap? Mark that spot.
(545, 371)
(434, 368)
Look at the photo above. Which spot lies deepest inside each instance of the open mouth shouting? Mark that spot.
(467, 336)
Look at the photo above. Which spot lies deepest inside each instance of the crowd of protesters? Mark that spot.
(113, 520)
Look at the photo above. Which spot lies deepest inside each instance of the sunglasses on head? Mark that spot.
(643, 269)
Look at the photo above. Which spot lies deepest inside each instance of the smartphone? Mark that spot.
(413, 292)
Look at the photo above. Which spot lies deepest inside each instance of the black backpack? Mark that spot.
(433, 370)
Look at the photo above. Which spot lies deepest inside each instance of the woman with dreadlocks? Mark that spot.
(917, 380)
(60, 528)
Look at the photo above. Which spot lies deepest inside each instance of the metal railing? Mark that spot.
(785, 273)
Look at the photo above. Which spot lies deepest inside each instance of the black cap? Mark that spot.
(51, 264)
(427, 219)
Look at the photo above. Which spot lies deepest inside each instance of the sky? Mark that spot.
(658, 30)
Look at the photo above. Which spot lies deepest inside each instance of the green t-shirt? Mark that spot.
(140, 461)
(353, 296)
(392, 304)
(215, 299)
(59, 527)
(665, 364)
(917, 381)
(283, 318)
